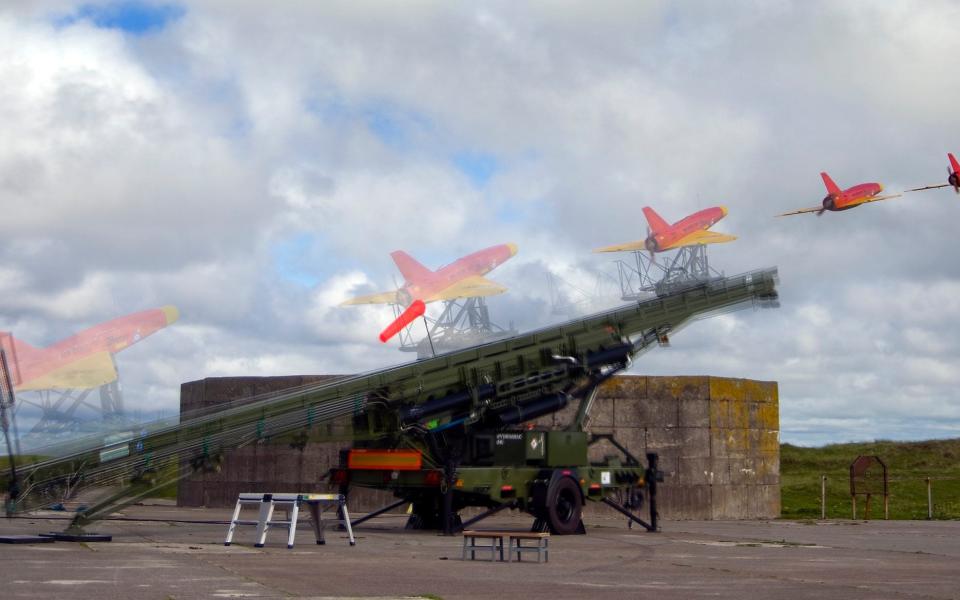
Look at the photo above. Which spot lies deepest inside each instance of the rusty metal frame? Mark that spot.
(859, 469)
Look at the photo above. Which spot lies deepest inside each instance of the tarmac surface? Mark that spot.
(167, 558)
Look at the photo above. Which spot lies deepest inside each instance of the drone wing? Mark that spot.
(83, 374)
(705, 237)
(381, 298)
(929, 187)
(469, 287)
(816, 209)
(878, 198)
(629, 246)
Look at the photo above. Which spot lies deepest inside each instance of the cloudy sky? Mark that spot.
(255, 166)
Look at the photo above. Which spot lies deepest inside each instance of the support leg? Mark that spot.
(654, 476)
(292, 531)
(345, 515)
(446, 511)
(266, 513)
(315, 520)
(233, 523)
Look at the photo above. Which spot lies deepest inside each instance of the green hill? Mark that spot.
(908, 466)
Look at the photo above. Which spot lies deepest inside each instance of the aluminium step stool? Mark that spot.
(290, 503)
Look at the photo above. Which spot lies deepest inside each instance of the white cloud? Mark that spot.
(140, 171)
(361, 212)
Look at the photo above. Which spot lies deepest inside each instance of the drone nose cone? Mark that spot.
(512, 248)
(171, 313)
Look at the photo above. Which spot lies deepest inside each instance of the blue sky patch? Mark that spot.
(396, 126)
(293, 259)
(136, 18)
(510, 213)
(386, 127)
(518, 212)
(328, 105)
(478, 166)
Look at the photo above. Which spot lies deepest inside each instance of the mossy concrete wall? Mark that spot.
(266, 467)
(718, 441)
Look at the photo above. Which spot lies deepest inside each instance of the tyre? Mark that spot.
(564, 506)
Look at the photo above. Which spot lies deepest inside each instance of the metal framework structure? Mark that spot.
(429, 405)
(69, 412)
(61, 409)
(8, 406)
(9, 427)
(463, 322)
(644, 276)
(569, 300)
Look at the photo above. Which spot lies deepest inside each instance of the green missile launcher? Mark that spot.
(447, 410)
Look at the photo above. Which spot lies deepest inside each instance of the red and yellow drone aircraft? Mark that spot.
(837, 199)
(463, 278)
(84, 360)
(953, 177)
(689, 231)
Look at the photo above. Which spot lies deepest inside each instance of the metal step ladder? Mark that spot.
(290, 503)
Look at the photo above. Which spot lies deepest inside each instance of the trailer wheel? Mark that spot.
(564, 506)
